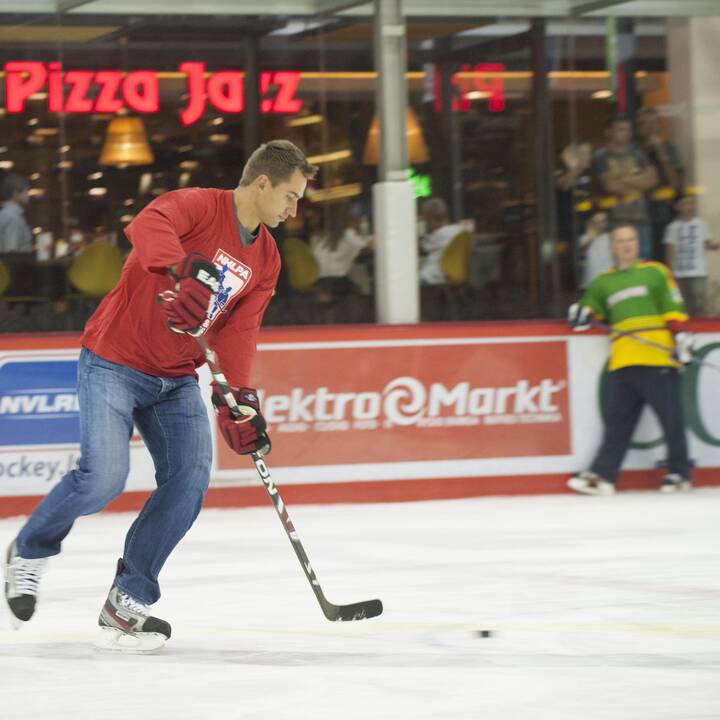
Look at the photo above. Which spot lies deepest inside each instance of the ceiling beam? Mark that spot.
(64, 6)
(595, 5)
(323, 7)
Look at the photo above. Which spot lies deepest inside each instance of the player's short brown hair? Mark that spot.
(624, 226)
(277, 159)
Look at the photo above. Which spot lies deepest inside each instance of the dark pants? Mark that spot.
(628, 389)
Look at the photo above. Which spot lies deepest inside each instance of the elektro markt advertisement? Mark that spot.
(482, 407)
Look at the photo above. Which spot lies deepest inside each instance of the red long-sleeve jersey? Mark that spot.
(130, 326)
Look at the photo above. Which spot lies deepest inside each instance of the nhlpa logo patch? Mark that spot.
(38, 402)
(234, 277)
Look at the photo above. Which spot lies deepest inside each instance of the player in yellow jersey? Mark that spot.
(639, 299)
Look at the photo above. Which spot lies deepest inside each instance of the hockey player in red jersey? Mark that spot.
(211, 254)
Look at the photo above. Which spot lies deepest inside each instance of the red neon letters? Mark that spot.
(108, 91)
(491, 87)
(80, 91)
(224, 90)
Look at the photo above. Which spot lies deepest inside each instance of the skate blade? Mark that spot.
(112, 640)
(15, 622)
(584, 488)
(675, 488)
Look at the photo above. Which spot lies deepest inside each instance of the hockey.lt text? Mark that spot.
(22, 467)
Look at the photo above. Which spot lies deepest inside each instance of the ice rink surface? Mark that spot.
(601, 608)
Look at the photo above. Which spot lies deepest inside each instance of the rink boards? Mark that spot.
(374, 413)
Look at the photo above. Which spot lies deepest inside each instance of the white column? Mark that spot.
(397, 297)
(694, 62)
(394, 214)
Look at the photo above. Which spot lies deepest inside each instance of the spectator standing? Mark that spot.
(439, 233)
(595, 246)
(625, 174)
(15, 233)
(686, 240)
(665, 158)
(640, 298)
(574, 206)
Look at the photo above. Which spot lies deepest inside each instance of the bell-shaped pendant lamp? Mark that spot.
(417, 149)
(126, 143)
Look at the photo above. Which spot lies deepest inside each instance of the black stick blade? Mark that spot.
(354, 611)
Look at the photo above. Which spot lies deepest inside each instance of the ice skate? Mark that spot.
(588, 483)
(674, 482)
(22, 576)
(126, 625)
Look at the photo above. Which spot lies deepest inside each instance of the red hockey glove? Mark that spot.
(246, 433)
(197, 283)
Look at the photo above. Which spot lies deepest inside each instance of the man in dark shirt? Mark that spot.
(664, 157)
(626, 174)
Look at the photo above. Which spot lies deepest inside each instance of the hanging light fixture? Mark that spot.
(417, 149)
(126, 143)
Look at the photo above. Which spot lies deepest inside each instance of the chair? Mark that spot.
(29, 292)
(302, 273)
(96, 270)
(455, 261)
(301, 265)
(4, 278)
(453, 298)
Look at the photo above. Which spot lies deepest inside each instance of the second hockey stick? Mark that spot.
(353, 611)
(649, 343)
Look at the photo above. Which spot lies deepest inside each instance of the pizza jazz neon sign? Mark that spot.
(108, 91)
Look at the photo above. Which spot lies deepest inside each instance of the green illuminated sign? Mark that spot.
(421, 183)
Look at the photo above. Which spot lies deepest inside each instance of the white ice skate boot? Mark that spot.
(674, 482)
(126, 625)
(588, 483)
(22, 576)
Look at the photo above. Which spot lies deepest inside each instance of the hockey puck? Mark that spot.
(483, 633)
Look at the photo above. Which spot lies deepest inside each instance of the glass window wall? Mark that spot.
(527, 140)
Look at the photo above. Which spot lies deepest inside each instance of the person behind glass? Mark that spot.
(336, 252)
(625, 174)
(15, 233)
(439, 233)
(664, 157)
(210, 255)
(640, 298)
(595, 247)
(574, 183)
(686, 240)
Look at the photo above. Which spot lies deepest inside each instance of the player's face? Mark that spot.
(625, 245)
(686, 208)
(646, 124)
(622, 132)
(277, 203)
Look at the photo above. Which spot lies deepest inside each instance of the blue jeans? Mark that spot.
(171, 417)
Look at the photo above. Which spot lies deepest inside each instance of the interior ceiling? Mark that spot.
(416, 31)
(418, 8)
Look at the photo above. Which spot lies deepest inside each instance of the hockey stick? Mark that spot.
(645, 341)
(353, 611)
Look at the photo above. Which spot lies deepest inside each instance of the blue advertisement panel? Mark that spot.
(38, 402)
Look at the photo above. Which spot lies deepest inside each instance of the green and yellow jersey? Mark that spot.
(642, 299)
